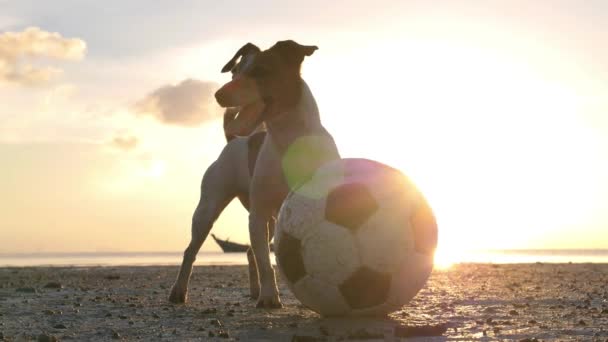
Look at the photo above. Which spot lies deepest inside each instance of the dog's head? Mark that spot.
(241, 60)
(266, 84)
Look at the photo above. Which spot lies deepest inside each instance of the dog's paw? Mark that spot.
(269, 298)
(254, 292)
(178, 296)
(254, 288)
(272, 302)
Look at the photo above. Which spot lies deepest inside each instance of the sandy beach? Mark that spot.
(525, 302)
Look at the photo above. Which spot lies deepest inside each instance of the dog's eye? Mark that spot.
(259, 71)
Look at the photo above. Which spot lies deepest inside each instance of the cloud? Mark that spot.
(189, 103)
(18, 49)
(125, 143)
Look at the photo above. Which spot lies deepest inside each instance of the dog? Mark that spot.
(270, 90)
(226, 178)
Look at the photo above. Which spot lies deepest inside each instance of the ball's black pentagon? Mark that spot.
(289, 254)
(366, 288)
(424, 228)
(350, 205)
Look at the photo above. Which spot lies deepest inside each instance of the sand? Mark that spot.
(525, 302)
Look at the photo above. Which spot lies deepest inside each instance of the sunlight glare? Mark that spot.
(478, 132)
(444, 259)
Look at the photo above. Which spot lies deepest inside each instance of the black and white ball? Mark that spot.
(356, 239)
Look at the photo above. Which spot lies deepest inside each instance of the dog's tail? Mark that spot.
(229, 116)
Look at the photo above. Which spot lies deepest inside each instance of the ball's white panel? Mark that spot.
(382, 180)
(330, 174)
(410, 278)
(330, 253)
(391, 186)
(299, 214)
(386, 239)
(328, 177)
(320, 296)
(313, 189)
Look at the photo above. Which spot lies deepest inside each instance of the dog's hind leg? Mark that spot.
(216, 193)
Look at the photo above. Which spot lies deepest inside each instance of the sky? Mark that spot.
(497, 110)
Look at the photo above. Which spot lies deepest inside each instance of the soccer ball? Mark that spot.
(358, 238)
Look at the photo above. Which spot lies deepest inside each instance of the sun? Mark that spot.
(444, 258)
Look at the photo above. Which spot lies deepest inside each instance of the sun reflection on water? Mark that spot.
(446, 258)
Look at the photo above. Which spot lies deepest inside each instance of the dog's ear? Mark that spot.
(244, 50)
(293, 52)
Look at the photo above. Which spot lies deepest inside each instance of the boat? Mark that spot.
(231, 247)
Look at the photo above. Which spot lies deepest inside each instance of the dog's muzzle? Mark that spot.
(242, 92)
(237, 93)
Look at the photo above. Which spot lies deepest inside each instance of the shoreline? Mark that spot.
(472, 301)
(170, 258)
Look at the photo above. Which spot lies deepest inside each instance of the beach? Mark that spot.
(520, 302)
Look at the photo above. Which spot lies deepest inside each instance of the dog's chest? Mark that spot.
(268, 183)
(254, 145)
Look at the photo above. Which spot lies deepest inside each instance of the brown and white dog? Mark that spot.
(269, 89)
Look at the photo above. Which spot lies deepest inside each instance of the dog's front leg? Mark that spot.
(254, 283)
(258, 233)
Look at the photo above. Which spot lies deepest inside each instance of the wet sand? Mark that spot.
(526, 302)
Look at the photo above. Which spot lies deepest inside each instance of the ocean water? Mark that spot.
(119, 259)
(525, 256)
(219, 258)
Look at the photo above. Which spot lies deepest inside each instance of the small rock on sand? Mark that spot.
(420, 330)
(52, 312)
(300, 338)
(363, 334)
(53, 285)
(209, 311)
(46, 338)
(324, 330)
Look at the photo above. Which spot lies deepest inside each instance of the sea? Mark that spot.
(514, 256)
